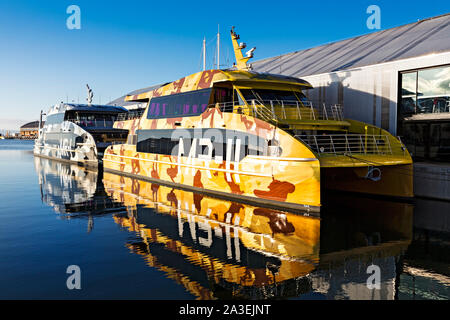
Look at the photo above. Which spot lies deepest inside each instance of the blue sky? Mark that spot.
(126, 45)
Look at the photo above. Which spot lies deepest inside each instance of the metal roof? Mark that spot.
(416, 39)
(30, 125)
(121, 101)
(94, 108)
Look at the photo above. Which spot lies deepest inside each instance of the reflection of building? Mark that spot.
(397, 79)
(29, 130)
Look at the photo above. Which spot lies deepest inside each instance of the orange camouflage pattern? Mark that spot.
(287, 179)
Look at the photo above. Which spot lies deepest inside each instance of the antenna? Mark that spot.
(241, 61)
(90, 95)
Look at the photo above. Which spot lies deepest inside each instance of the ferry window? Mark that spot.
(268, 95)
(302, 97)
(160, 142)
(223, 95)
(237, 99)
(179, 105)
(55, 118)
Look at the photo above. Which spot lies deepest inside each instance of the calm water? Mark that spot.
(137, 240)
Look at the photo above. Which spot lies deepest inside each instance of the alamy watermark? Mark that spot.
(74, 20)
(374, 280)
(374, 20)
(74, 280)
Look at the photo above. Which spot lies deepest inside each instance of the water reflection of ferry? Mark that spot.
(72, 190)
(79, 133)
(256, 137)
(217, 248)
(240, 249)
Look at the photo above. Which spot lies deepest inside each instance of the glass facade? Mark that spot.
(425, 91)
(424, 113)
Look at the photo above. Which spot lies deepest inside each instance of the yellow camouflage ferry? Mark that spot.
(256, 137)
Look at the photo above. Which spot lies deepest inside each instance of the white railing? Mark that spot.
(280, 110)
(96, 123)
(340, 144)
(295, 110)
(130, 115)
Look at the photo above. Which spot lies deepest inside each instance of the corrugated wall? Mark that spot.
(369, 93)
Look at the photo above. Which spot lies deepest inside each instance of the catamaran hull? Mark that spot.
(389, 181)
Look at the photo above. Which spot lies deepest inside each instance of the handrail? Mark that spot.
(268, 110)
(279, 110)
(96, 123)
(130, 115)
(342, 144)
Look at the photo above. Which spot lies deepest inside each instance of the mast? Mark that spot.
(218, 47)
(241, 60)
(204, 53)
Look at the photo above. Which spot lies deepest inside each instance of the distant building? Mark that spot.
(29, 130)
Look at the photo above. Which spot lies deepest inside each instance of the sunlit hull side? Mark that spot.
(62, 144)
(234, 244)
(290, 180)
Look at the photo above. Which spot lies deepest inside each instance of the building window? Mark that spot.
(424, 113)
(433, 90)
(408, 93)
(425, 91)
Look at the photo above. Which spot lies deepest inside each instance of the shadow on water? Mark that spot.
(218, 249)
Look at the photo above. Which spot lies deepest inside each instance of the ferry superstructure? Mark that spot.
(79, 133)
(256, 137)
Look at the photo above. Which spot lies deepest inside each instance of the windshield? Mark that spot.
(266, 95)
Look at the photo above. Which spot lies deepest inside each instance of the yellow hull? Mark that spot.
(395, 181)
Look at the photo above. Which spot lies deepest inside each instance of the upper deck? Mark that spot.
(273, 98)
(210, 78)
(89, 117)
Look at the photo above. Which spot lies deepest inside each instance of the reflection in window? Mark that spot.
(187, 104)
(433, 90)
(409, 85)
(425, 91)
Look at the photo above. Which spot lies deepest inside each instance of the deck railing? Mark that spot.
(280, 110)
(130, 115)
(96, 123)
(348, 144)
